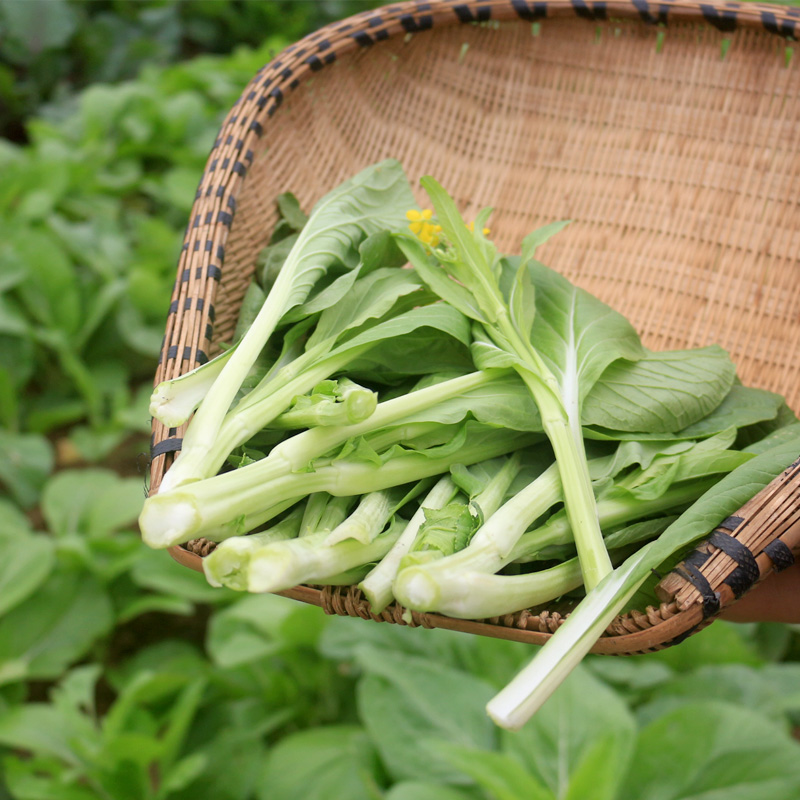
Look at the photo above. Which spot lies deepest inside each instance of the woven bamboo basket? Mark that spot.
(669, 133)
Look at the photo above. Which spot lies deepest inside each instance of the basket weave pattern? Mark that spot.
(669, 134)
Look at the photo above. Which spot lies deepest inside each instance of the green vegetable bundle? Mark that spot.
(452, 428)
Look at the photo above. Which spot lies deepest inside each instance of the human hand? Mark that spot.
(775, 599)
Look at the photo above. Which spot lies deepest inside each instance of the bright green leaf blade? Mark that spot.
(577, 336)
(522, 302)
(320, 764)
(660, 393)
(54, 628)
(91, 502)
(564, 731)
(404, 700)
(25, 462)
(500, 775)
(369, 298)
(717, 760)
(27, 561)
(42, 729)
(537, 238)
(416, 790)
(433, 274)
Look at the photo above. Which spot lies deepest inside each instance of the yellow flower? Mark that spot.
(471, 226)
(426, 231)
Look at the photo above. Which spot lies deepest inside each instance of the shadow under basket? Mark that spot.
(669, 133)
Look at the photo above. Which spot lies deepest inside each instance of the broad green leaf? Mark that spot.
(412, 344)
(54, 628)
(742, 406)
(28, 559)
(25, 779)
(370, 297)
(373, 200)
(183, 773)
(537, 238)
(380, 249)
(26, 460)
(259, 626)
(661, 392)
(325, 298)
(251, 304)
(564, 732)
(290, 210)
(720, 643)
(522, 302)
(50, 291)
(404, 700)
(45, 730)
(37, 31)
(431, 272)
(498, 774)
(724, 752)
(320, 764)
(90, 502)
(178, 727)
(235, 751)
(416, 790)
(160, 573)
(773, 689)
(577, 335)
(599, 772)
(272, 258)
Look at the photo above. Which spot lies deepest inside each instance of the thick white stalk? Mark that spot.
(282, 565)
(366, 522)
(242, 423)
(527, 692)
(173, 401)
(579, 499)
(377, 585)
(479, 595)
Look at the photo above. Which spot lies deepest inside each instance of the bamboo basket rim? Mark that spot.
(718, 572)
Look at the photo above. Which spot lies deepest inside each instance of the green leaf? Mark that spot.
(405, 700)
(370, 297)
(25, 462)
(723, 752)
(26, 23)
(160, 573)
(290, 210)
(44, 730)
(90, 502)
(319, 764)
(500, 775)
(720, 643)
(537, 238)
(27, 561)
(773, 689)
(522, 302)
(411, 344)
(417, 790)
(565, 731)
(50, 291)
(661, 392)
(432, 273)
(378, 250)
(599, 773)
(577, 336)
(54, 628)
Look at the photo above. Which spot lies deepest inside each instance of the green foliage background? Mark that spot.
(124, 676)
